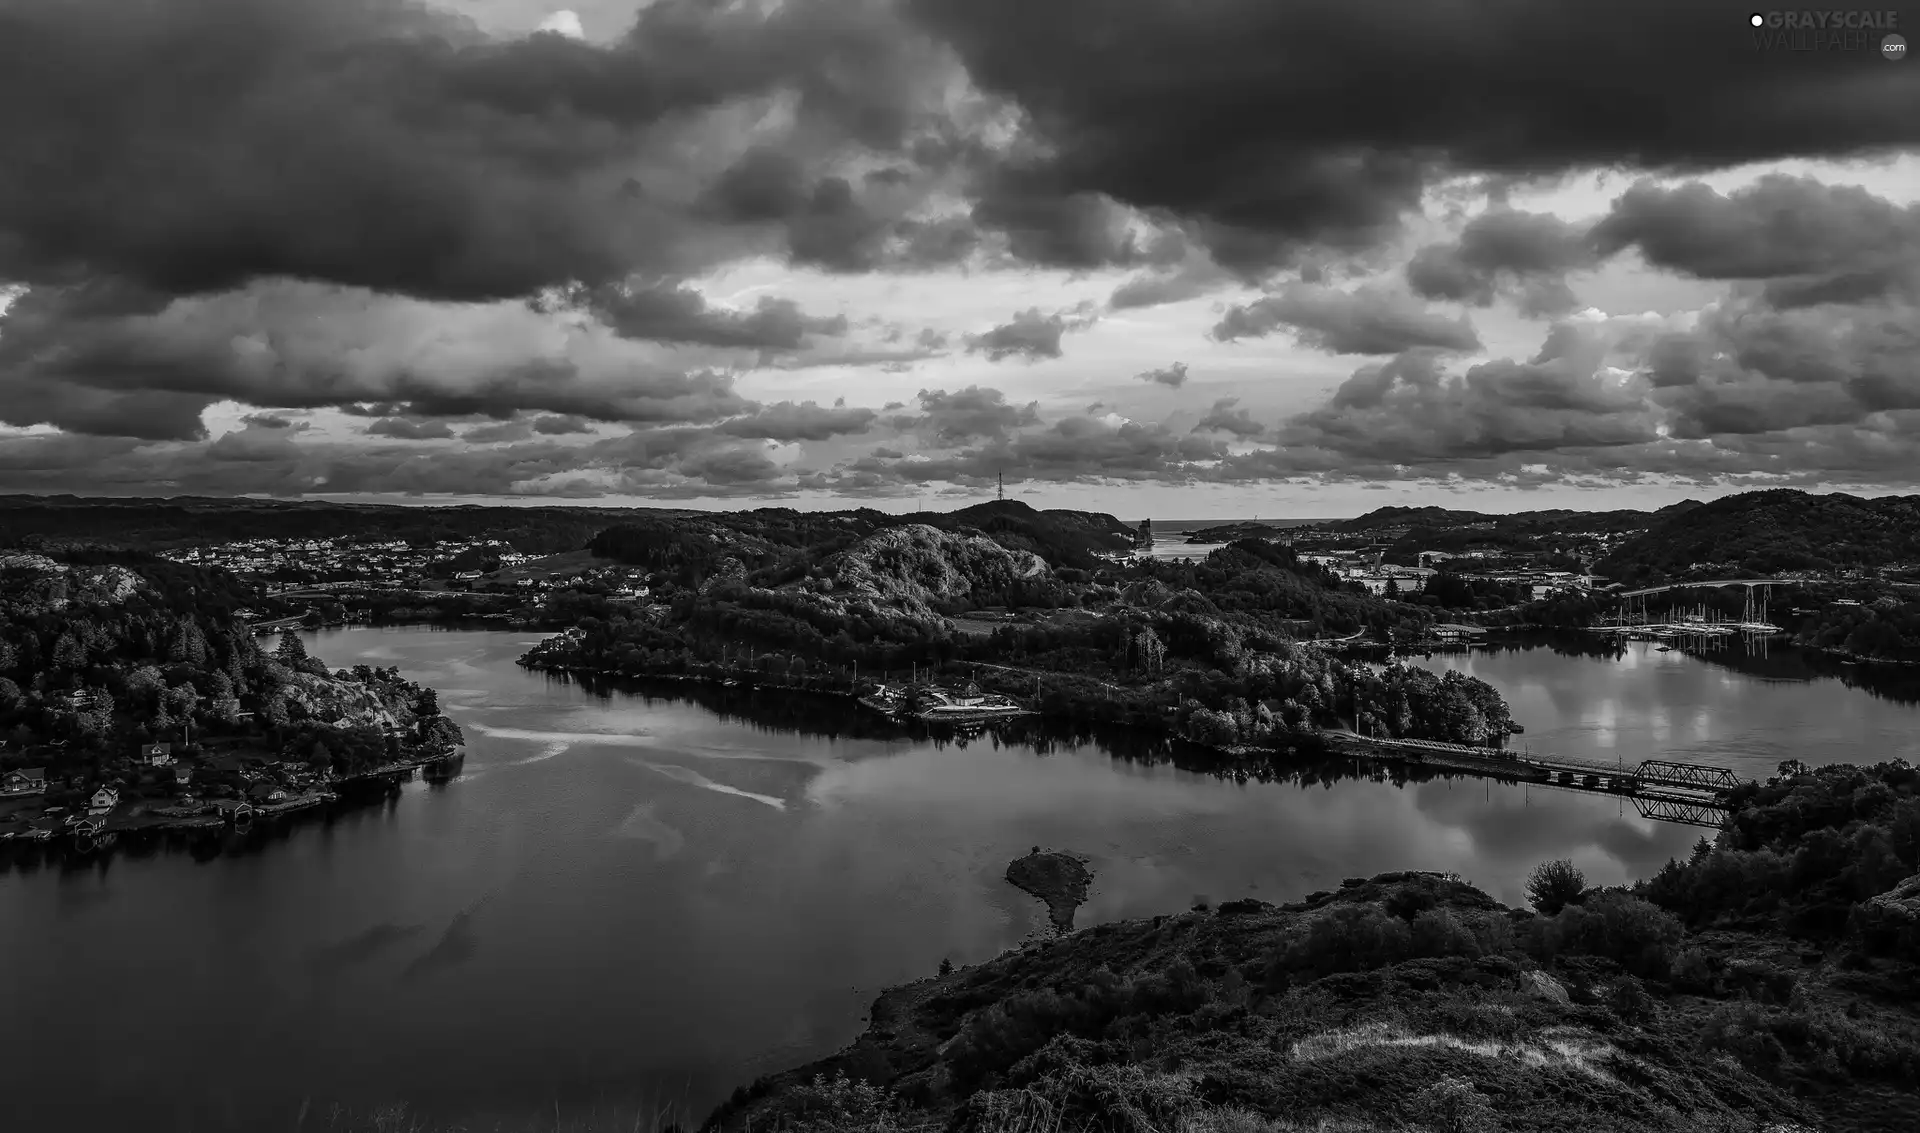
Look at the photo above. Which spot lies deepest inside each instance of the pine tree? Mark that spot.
(291, 650)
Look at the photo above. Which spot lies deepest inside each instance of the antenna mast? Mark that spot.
(1002, 477)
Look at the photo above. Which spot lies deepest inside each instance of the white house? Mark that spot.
(104, 800)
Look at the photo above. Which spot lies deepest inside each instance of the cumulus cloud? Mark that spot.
(292, 345)
(805, 421)
(1812, 243)
(1226, 417)
(1173, 376)
(1031, 335)
(971, 414)
(1365, 320)
(1526, 254)
(673, 312)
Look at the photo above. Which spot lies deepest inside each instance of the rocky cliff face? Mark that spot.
(347, 704)
(913, 569)
(31, 583)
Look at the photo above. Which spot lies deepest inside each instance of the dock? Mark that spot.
(1689, 793)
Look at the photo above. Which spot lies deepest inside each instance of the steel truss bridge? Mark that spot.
(1690, 793)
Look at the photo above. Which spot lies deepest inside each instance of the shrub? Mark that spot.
(1638, 935)
(1352, 938)
(1554, 885)
(1741, 1030)
(1693, 971)
(1629, 1001)
(1437, 932)
(1452, 1105)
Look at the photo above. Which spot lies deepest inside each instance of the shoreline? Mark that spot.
(340, 791)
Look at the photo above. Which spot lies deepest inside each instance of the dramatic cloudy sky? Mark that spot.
(1158, 257)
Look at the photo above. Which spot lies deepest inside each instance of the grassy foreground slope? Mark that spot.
(1767, 983)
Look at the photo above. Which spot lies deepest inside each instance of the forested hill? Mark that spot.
(1772, 531)
(102, 651)
(160, 523)
(1532, 523)
(778, 545)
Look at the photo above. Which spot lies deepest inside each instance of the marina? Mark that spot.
(1636, 620)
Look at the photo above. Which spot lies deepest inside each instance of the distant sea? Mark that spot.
(1170, 535)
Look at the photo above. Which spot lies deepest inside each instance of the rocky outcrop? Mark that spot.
(915, 568)
(347, 704)
(1059, 879)
(1891, 921)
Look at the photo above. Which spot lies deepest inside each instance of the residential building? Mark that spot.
(103, 800)
(25, 781)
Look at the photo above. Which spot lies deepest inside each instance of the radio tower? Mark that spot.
(1002, 477)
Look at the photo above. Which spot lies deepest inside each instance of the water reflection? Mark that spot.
(605, 907)
(1740, 705)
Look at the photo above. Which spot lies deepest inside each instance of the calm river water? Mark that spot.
(629, 901)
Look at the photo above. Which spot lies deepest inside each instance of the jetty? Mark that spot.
(1690, 793)
(932, 704)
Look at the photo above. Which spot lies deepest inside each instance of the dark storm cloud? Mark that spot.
(1072, 231)
(1031, 335)
(1225, 417)
(25, 458)
(803, 421)
(1366, 320)
(268, 421)
(827, 222)
(670, 312)
(1813, 243)
(409, 429)
(1173, 376)
(1523, 252)
(389, 145)
(1269, 127)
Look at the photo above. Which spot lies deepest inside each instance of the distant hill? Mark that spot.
(1064, 538)
(187, 520)
(1776, 530)
(775, 545)
(1550, 521)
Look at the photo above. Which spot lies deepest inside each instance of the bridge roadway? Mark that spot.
(1651, 778)
(1747, 582)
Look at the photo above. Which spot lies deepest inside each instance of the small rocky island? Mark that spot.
(1059, 879)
